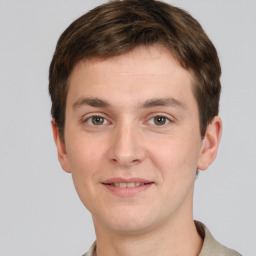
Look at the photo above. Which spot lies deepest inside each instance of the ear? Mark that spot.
(210, 143)
(62, 154)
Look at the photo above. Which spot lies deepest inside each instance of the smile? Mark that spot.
(127, 188)
(127, 185)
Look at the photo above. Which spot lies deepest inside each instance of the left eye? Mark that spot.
(159, 120)
(96, 120)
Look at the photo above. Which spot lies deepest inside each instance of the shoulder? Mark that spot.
(212, 247)
(91, 250)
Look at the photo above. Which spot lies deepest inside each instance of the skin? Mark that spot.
(128, 92)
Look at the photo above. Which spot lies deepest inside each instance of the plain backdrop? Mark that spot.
(40, 213)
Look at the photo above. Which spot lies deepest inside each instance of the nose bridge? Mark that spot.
(126, 145)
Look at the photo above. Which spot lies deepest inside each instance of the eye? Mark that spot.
(159, 120)
(96, 120)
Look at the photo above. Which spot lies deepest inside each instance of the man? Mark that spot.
(135, 92)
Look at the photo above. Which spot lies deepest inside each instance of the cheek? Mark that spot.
(86, 160)
(84, 154)
(176, 156)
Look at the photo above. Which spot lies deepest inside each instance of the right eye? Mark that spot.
(96, 120)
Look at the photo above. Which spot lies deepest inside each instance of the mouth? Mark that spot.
(127, 187)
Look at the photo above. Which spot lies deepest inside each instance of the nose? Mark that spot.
(127, 147)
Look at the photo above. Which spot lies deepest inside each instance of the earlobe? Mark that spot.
(61, 149)
(210, 144)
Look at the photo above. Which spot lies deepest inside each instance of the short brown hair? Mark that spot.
(118, 27)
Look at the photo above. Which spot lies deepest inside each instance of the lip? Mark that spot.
(127, 191)
(124, 180)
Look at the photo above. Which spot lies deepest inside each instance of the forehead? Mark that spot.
(152, 56)
(146, 71)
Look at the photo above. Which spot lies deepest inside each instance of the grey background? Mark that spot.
(40, 213)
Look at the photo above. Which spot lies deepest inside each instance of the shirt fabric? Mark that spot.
(210, 246)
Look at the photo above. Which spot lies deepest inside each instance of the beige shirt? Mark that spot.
(210, 246)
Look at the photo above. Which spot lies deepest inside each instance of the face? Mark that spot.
(132, 139)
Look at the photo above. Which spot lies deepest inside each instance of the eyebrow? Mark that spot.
(163, 102)
(94, 102)
(156, 102)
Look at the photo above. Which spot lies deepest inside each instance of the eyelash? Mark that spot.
(154, 118)
(151, 121)
(89, 120)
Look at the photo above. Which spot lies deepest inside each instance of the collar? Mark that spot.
(210, 247)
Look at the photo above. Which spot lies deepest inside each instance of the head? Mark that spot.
(119, 27)
(135, 91)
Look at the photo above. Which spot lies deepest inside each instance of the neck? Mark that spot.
(173, 239)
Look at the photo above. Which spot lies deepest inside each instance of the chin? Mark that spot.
(130, 222)
(130, 228)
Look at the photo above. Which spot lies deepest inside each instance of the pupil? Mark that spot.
(97, 120)
(160, 120)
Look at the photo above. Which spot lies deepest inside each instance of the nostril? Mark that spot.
(125, 161)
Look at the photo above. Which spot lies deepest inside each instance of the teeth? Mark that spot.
(122, 185)
(128, 185)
